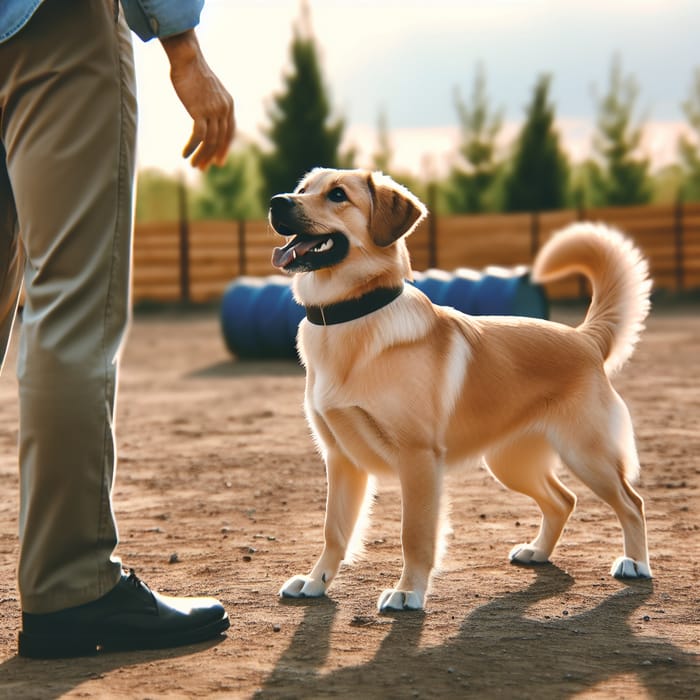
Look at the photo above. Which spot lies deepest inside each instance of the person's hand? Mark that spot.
(204, 97)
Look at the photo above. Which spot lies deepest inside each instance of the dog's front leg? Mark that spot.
(347, 486)
(421, 485)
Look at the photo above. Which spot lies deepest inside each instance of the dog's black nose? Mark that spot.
(280, 204)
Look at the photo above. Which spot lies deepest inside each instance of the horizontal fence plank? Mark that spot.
(220, 251)
(155, 292)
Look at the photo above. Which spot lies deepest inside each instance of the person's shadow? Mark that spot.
(499, 652)
(54, 678)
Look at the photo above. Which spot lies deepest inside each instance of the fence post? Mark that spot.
(678, 242)
(432, 225)
(242, 261)
(184, 235)
(534, 233)
(581, 216)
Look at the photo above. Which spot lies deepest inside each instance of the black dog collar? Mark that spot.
(352, 309)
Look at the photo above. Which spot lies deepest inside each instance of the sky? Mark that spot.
(407, 59)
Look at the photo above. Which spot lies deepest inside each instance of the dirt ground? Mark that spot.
(219, 491)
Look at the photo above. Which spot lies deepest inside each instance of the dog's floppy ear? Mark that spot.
(395, 210)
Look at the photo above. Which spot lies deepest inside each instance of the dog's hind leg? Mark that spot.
(527, 464)
(604, 457)
(629, 506)
(347, 487)
(421, 486)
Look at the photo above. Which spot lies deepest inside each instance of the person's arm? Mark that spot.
(200, 91)
(204, 97)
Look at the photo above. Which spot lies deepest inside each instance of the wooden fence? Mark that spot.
(193, 262)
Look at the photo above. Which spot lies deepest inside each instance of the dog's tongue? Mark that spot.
(281, 257)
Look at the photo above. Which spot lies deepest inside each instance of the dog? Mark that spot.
(397, 385)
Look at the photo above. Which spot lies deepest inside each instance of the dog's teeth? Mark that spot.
(323, 247)
(294, 254)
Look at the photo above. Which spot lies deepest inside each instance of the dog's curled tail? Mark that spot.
(619, 277)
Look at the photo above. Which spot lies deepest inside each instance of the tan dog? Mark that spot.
(397, 385)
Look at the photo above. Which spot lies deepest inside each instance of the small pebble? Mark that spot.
(174, 559)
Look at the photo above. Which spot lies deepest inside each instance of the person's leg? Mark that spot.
(69, 136)
(68, 128)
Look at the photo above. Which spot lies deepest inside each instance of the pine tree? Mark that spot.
(689, 148)
(623, 177)
(381, 158)
(231, 191)
(301, 133)
(470, 181)
(539, 172)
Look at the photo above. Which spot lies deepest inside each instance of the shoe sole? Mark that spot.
(42, 646)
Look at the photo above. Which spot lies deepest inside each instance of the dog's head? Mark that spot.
(342, 220)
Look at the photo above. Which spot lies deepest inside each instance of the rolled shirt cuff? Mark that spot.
(151, 19)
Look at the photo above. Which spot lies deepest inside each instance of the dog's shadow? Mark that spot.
(499, 652)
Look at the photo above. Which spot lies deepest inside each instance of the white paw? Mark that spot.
(391, 599)
(302, 587)
(527, 554)
(624, 567)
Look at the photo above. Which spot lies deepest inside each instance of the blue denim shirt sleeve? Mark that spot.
(161, 18)
(14, 14)
(148, 18)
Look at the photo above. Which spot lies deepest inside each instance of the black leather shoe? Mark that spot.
(130, 616)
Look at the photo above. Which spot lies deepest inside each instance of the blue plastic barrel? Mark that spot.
(433, 283)
(259, 316)
(236, 315)
(497, 291)
(462, 290)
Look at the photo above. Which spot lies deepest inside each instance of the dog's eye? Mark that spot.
(337, 194)
(301, 190)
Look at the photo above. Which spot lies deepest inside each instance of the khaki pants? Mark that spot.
(67, 137)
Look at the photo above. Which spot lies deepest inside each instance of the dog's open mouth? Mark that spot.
(306, 252)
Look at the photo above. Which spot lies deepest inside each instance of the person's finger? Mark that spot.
(230, 123)
(225, 140)
(209, 146)
(199, 132)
